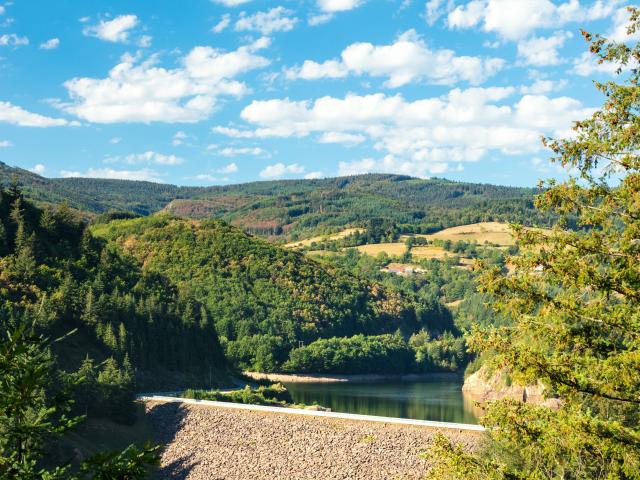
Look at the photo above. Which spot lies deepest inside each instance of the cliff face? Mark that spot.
(484, 387)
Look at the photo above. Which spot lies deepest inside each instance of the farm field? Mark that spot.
(428, 252)
(392, 249)
(492, 232)
(322, 238)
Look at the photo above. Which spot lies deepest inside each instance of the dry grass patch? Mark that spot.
(428, 252)
(323, 238)
(392, 249)
(492, 232)
(323, 253)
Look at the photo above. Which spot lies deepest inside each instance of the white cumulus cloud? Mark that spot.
(18, 116)
(50, 44)
(338, 5)
(149, 157)
(542, 51)
(423, 136)
(434, 9)
(341, 137)
(231, 3)
(279, 170)
(314, 175)
(224, 22)
(618, 31)
(278, 19)
(542, 86)
(516, 19)
(229, 168)
(405, 61)
(116, 30)
(144, 174)
(587, 64)
(38, 168)
(244, 151)
(142, 91)
(178, 139)
(12, 40)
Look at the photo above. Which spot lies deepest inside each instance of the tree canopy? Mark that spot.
(575, 303)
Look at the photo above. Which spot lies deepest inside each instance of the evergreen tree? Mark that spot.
(122, 338)
(35, 407)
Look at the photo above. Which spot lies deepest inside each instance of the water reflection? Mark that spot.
(438, 399)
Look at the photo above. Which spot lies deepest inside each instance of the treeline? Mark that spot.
(298, 208)
(389, 353)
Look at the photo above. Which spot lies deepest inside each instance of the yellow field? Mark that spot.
(492, 232)
(392, 249)
(323, 238)
(323, 253)
(428, 251)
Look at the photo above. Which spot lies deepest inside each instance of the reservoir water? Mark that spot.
(437, 399)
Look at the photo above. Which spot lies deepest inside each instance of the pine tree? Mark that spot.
(35, 408)
(109, 337)
(89, 315)
(4, 244)
(122, 338)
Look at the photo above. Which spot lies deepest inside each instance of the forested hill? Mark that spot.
(167, 298)
(95, 195)
(264, 299)
(56, 275)
(296, 208)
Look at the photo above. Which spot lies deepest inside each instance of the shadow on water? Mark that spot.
(435, 399)
(167, 419)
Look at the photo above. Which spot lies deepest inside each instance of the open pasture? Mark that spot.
(429, 252)
(491, 232)
(323, 238)
(392, 249)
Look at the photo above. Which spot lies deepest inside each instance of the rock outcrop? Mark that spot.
(484, 386)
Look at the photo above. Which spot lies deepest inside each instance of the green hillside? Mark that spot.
(264, 299)
(296, 208)
(55, 273)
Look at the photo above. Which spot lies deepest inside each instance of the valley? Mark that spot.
(227, 251)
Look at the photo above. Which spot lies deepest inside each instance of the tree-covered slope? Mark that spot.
(295, 208)
(55, 273)
(94, 195)
(301, 208)
(264, 299)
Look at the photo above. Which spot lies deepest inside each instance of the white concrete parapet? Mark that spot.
(313, 413)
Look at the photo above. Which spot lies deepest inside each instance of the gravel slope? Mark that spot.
(216, 443)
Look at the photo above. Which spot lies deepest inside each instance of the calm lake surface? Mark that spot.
(437, 399)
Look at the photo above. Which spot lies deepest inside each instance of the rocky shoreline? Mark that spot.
(328, 378)
(203, 442)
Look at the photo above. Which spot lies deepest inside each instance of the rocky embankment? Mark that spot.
(486, 387)
(211, 443)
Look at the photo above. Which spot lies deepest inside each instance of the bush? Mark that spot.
(275, 394)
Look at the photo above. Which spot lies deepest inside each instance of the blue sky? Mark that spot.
(225, 91)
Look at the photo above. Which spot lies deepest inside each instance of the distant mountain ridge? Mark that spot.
(293, 208)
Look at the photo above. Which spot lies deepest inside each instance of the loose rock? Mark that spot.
(204, 442)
